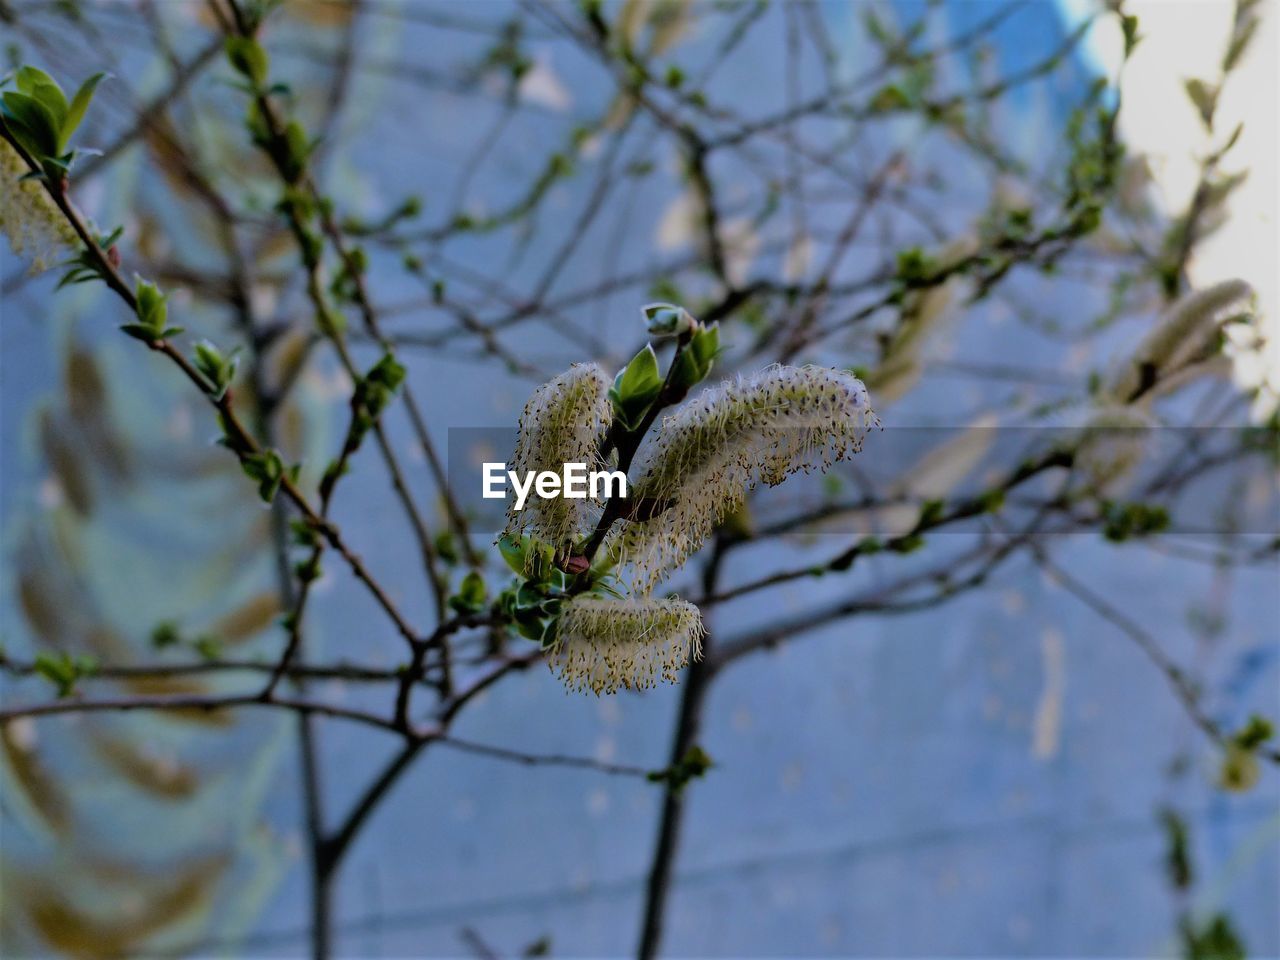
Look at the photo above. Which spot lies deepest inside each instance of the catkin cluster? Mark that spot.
(697, 471)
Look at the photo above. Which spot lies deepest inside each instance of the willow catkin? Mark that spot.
(30, 219)
(562, 423)
(1185, 333)
(722, 443)
(605, 645)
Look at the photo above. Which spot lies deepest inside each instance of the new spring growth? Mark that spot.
(605, 645)
(39, 117)
(700, 467)
(561, 424)
(718, 446)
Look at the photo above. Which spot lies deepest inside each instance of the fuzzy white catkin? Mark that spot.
(1183, 335)
(726, 440)
(606, 645)
(30, 219)
(562, 423)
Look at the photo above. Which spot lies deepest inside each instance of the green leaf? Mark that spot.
(78, 108)
(529, 597)
(1212, 939)
(1205, 99)
(151, 303)
(298, 149)
(308, 570)
(219, 370)
(694, 763)
(1240, 770)
(1240, 41)
(472, 594)
(513, 552)
(28, 78)
(1254, 733)
(54, 100)
(446, 549)
(539, 948)
(914, 266)
(529, 627)
(1178, 857)
(139, 331)
(209, 648)
(165, 634)
(38, 130)
(635, 388)
(302, 533)
(888, 99)
(387, 372)
(876, 28)
(1129, 26)
(63, 670)
(248, 57)
(696, 360)
(267, 469)
(1125, 521)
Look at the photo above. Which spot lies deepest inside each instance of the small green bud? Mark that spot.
(209, 648)
(666, 319)
(513, 552)
(165, 634)
(1254, 733)
(446, 549)
(151, 304)
(297, 149)
(152, 314)
(930, 513)
(303, 534)
(307, 570)
(471, 596)
(695, 763)
(909, 543)
(635, 388)
(63, 670)
(696, 360)
(992, 501)
(268, 470)
(1240, 770)
(219, 370)
(1129, 26)
(248, 58)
